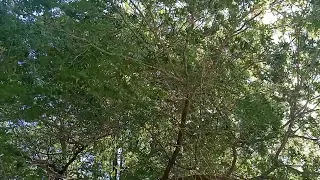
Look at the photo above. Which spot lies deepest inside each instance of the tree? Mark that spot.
(159, 89)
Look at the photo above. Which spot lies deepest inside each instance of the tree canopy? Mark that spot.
(166, 89)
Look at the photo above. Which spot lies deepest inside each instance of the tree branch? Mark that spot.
(204, 177)
(96, 46)
(178, 145)
(73, 158)
(244, 27)
(283, 142)
(234, 160)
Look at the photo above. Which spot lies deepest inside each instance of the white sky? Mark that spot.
(269, 18)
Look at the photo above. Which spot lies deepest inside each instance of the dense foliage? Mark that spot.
(165, 89)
